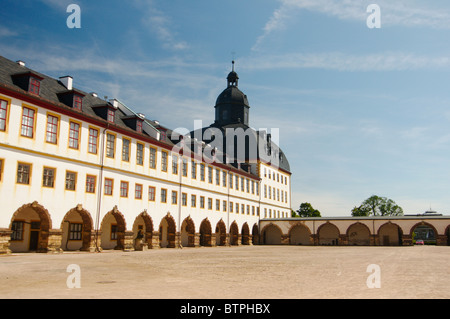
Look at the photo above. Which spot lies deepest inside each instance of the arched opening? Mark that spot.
(328, 234)
(272, 235)
(300, 235)
(113, 230)
(221, 234)
(390, 234)
(245, 234)
(255, 235)
(188, 233)
(447, 232)
(234, 234)
(30, 226)
(424, 231)
(76, 229)
(358, 235)
(143, 231)
(167, 229)
(205, 233)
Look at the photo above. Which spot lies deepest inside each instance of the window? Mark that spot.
(163, 195)
(152, 157)
(90, 184)
(109, 186)
(242, 184)
(174, 197)
(202, 202)
(123, 189)
(164, 161)
(93, 140)
(48, 179)
(184, 199)
(27, 122)
(111, 116)
(34, 86)
(217, 204)
(224, 179)
(209, 203)
(174, 164)
(231, 181)
(210, 173)
(52, 129)
(138, 191)
(236, 182)
(194, 170)
(139, 126)
(224, 206)
(110, 142)
(193, 201)
(237, 208)
(125, 150)
(114, 230)
(247, 183)
(202, 172)
(253, 187)
(217, 176)
(248, 210)
(140, 154)
(151, 193)
(184, 170)
(23, 174)
(75, 231)
(3, 114)
(17, 230)
(74, 135)
(231, 207)
(77, 102)
(242, 209)
(71, 181)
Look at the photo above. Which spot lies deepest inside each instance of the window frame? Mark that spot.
(29, 127)
(73, 138)
(54, 129)
(45, 177)
(30, 167)
(75, 174)
(4, 109)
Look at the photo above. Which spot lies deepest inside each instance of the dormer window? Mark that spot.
(77, 102)
(111, 115)
(34, 86)
(139, 126)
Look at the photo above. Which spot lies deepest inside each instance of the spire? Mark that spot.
(232, 77)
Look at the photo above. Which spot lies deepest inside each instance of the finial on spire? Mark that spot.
(232, 62)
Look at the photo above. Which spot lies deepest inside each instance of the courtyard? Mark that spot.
(244, 272)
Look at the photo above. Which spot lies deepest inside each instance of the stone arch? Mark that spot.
(272, 234)
(300, 234)
(143, 226)
(77, 229)
(234, 234)
(424, 231)
(113, 228)
(167, 230)
(358, 234)
(255, 234)
(221, 233)
(188, 232)
(328, 234)
(447, 234)
(390, 234)
(245, 234)
(205, 233)
(34, 223)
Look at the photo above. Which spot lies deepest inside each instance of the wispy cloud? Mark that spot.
(407, 13)
(5, 32)
(161, 25)
(385, 61)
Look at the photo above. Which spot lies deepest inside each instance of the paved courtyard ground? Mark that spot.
(256, 272)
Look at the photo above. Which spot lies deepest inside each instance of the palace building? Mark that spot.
(78, 172)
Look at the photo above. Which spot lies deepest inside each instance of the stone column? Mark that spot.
(54, 241)
(5, 237)
(197, 240)
(155, 241)
(128, 241)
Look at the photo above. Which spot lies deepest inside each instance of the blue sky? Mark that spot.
(360, 111)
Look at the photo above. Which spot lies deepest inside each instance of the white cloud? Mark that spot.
(161, 25)
(5, 32)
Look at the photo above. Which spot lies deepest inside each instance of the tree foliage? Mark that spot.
(306, 210)
(377, 206)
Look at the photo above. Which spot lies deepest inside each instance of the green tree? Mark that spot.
(306, 210)
(377, 206)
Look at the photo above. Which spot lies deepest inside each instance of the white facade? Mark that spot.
(70, 180)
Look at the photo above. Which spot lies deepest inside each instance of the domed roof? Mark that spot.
(232, 95)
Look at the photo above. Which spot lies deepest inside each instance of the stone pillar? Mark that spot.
(441, 240)
(128, 241)
(54, 241)
(197, 240)
(5, 237)
(284, 239)
(406, 240)
(343, 240)
(213, 240)
(155, 241)
(177, 243)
